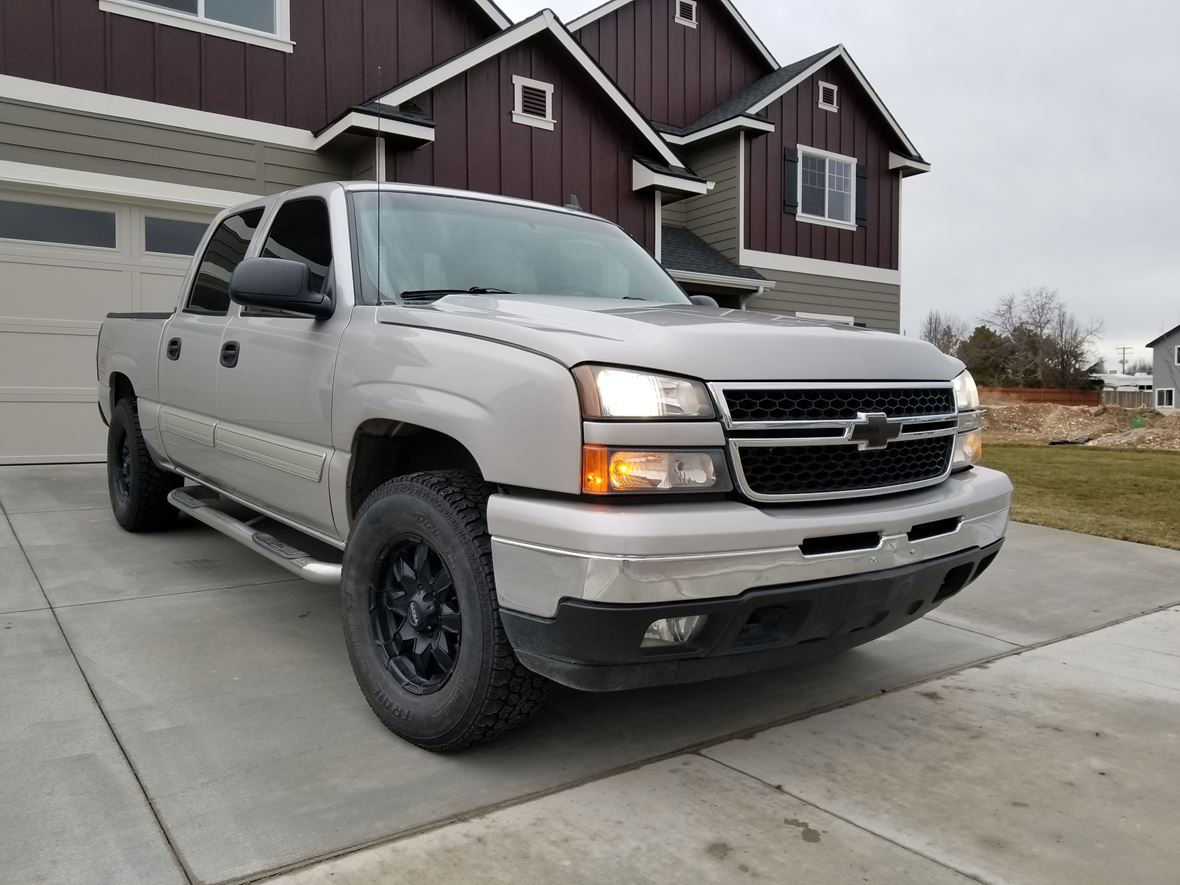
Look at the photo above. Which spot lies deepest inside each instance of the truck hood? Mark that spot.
(714, 344)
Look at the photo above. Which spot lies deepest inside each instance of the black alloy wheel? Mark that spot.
(415, 616)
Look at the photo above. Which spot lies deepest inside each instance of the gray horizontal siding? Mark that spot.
(714, 216)
(878, 305)
(1166, 372)
(70, 140)
(674, 214)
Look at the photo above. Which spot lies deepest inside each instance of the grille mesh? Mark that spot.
(819, 470)
(837, 405)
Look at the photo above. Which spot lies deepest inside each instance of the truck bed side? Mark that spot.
(128, 353)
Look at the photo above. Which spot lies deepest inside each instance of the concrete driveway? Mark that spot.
(174, 709)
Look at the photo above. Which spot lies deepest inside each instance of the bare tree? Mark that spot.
(1140, 366)
(1051, 345)
(943, 331)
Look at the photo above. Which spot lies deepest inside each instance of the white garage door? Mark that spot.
(64, 264)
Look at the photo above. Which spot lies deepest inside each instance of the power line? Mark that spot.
(1122, 352)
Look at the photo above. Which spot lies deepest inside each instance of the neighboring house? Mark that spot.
(125, 125)
(1166, 376)
(807, 160)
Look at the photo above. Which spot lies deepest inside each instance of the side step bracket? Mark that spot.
(204, 506)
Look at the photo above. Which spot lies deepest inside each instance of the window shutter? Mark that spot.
(862, 196)
(791, 181)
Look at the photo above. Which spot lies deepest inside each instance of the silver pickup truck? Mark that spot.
(525, 455)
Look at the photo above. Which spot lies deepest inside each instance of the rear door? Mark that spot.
(191, 350)
(274, 433)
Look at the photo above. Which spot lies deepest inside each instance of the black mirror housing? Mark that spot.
(278, 284)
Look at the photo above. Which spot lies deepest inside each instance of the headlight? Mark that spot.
(966, 393)
(617, 471)
(608, 392)
(969, 442)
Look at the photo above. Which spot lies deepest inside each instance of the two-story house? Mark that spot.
(807, 160)
(1166, 370)
(126, 124)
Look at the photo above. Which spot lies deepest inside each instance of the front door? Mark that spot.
(274, 433)
(190, 351)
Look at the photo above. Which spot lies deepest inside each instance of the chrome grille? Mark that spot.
(810, 442)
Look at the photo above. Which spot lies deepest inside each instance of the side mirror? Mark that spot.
(704, 300)
(278, 284)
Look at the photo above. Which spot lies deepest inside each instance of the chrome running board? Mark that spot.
(204, 506)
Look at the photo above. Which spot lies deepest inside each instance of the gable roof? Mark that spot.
(542, 22)
(684, 251)
(1163, 337)
(760, 94)
(613, 5)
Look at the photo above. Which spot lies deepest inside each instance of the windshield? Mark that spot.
(432, 245)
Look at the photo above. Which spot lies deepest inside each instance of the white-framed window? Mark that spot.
(534, 103)
(827, 188)
(1165, 397)
(50, 223)
(686, 13)
(829, 96)
(260, 22)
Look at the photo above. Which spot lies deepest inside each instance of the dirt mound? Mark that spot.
(1107, 426)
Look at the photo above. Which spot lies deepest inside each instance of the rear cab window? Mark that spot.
(226, 250)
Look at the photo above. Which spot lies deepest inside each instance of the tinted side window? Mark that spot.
(301, 233)
(225, 252)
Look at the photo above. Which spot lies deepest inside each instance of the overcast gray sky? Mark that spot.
(1053, 127)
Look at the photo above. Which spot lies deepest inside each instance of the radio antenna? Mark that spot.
(378, 173)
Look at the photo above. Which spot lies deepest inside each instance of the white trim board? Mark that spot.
(29, 176)
(839, 53)
(489, 49)
(613, 5)
(906, 165)
(816, 267)
(737, 123)
(85, 101)
(376, 124)
(720, 280)
(495, 13)
(642, 177)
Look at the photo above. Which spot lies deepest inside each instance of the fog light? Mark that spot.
(968, 449)
(673, 631)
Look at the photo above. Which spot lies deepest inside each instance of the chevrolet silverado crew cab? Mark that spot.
(524, 455)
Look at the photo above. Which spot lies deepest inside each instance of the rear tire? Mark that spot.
(421, 618)
(138, 488)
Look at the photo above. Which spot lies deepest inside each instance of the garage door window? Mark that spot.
(60, 225)
(225, 252)
(170, 236)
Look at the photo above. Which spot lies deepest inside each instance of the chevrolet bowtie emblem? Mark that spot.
(873, 431)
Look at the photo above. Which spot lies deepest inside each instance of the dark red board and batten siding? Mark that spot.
(673, 73)
(339, 45)
(478, 146)
(856, 130)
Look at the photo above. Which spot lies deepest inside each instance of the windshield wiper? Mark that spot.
(415, 295)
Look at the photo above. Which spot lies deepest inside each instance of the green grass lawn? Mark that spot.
(1131, 496)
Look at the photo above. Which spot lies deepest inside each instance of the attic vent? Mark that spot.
(829, 96)
(686, 13)
(534, 103)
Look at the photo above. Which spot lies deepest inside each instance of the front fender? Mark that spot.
(516, 411)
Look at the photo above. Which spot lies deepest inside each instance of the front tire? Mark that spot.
(421, 619)
(138, 488)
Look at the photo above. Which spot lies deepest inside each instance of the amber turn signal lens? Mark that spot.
(595, 470)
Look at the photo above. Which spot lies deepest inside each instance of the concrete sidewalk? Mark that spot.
(1057, 765)
(175, 709)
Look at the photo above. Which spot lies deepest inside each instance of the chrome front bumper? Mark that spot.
(545, 550)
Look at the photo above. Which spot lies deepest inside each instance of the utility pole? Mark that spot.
(1123, 351)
